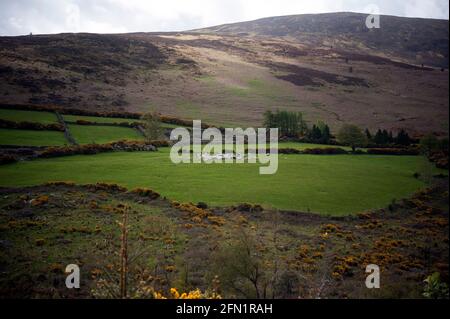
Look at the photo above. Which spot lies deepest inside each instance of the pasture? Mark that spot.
(31, 138)
(91, 134)
(28, 116)
(333, 185)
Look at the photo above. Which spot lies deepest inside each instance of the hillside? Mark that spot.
(230, 75)
(418, 40)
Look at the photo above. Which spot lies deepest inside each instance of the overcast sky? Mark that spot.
(115, 16)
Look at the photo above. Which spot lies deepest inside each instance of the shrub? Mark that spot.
(59, 183)
(216, 220)
(393, 151)
(107, 187)
(330, 228)
(160, 143)
(244, 207)
(56, 268)
(325, 151)
(40, 242)
(84, 122)
(202, 205)
(192, 210)
(7, 159)
(440, 158)
(351, 135)
(289, 151)
(145, 192)
(249, 208)
(31, 126)
(435, 289)
(39, 201)
(90, 149)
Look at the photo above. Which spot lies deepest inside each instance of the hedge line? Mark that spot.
(393, 151)
(31, 126)
(129, 146)
(325, 151)
(311, 151)
(122, 124)
(112, 114)
(59, 151)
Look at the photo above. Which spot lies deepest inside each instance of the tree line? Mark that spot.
(293, 125)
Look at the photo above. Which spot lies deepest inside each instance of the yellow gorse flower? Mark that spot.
(195, 294)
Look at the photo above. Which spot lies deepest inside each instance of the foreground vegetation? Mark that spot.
(173, 247)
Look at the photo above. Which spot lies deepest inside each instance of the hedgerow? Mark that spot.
(112, 114)
(393, 151)
(31, 126)
(324, 151)
(7, 159)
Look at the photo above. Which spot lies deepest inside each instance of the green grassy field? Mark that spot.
(293, 145)
(88, 134)
(31, 138)
(28, 116)
(337, 185)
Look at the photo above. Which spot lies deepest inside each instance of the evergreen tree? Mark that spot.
(379, 139)
(326, 134)
(403, 138)
(390, 138)
(368, 134)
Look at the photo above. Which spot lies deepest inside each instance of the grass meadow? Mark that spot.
(334, 185)
(28, 116)
(31, 138)
(90, 134)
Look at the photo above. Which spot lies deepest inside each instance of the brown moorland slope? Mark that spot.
(420, 40)
(230, 75)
